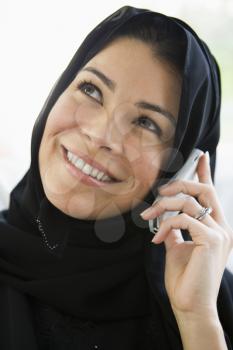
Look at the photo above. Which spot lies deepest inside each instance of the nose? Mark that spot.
(102, 137)
(102, 130)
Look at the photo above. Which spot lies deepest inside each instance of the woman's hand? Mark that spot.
(193, 269)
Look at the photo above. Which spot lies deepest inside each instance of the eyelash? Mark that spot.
(84, 83)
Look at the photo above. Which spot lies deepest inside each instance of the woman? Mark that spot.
(79, 269)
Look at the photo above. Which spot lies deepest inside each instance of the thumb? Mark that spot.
(203, 169)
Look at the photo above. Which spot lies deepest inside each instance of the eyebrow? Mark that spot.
(107, 81)
(111, 84)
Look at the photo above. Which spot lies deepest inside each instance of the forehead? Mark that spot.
(129, 60)
(124, 53)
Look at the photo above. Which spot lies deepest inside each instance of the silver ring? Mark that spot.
(203, 212)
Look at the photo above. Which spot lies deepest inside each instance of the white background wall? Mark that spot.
(38, 39)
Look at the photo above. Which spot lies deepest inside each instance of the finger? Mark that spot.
(205, 194)
(183, 203)
(203, 169)
(200, 234)
(190, 187)
(173, 238)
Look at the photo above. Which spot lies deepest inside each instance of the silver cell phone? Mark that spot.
(187, 172)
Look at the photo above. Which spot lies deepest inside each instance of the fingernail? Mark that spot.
(155, 238)
(207, 156)
(147, 211)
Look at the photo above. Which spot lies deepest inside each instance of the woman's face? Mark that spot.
(106, 116)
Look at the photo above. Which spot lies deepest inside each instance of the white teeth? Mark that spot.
(100, 175)
(69, 155)
(87, 169)
(105, 178)
(79, 163)
(94, 172)
(73, 158)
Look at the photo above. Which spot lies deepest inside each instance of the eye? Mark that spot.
(90, 89)
(149, 124)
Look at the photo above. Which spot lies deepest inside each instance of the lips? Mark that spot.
(91, 162)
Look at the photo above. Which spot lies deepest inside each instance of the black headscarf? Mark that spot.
(105, 269)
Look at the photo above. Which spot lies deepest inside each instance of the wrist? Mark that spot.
(207, 314)
(191, 322)
(201, 331)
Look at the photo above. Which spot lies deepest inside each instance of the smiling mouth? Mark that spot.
(104, 179)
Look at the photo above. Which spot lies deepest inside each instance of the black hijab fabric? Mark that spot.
(75, 265)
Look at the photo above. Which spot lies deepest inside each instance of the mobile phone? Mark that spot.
(187, 172)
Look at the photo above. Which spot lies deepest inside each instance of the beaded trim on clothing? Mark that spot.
(44, 237)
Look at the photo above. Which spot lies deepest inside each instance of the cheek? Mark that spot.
(147, 166)
(68, 114)
(61, 117)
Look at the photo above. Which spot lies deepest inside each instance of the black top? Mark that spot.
(56, 330)
(28, 324)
